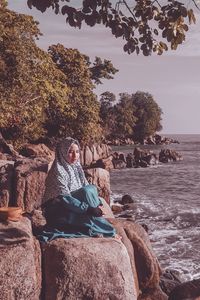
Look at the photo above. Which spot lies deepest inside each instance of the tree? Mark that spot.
(101, 69)
(83, 121)
(137, 115)
(28, 78)
(148, 115)
(125, 116)
(146, 26)
(107, 115)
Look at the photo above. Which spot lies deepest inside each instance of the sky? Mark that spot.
(173, 78)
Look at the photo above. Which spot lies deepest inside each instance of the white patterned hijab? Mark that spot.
(63, 177)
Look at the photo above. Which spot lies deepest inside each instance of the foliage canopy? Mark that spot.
(83, 114)
(45, 93)
(145, 25)
(137, 115)
(28, 78)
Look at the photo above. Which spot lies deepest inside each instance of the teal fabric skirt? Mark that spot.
(67, 216)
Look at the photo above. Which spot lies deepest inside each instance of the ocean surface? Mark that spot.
(167, 198)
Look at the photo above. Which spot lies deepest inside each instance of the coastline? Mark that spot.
(166, 198)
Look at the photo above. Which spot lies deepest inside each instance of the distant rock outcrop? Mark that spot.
(151, 140)
(144, 158)
(167, 155)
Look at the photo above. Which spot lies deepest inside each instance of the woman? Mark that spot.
(71, 205)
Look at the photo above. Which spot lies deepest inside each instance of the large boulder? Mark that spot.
(95, 155)
(147, 266)
(38, 221)
(128, 244)
(99, 150)
(87, 268)
(40, 150)
(101, 178)
(104, 163)
(82, 157)
(106, 150)
(29, 185)
(145, 263)
(87, 156)
(7, 148)
(6, 181)
(20, 262)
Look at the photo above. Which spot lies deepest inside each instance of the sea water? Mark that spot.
(167, 198)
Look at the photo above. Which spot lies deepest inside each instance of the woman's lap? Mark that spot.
(88, 194)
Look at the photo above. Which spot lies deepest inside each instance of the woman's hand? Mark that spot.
(95, 211)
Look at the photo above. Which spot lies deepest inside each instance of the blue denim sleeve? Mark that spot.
(74, 204)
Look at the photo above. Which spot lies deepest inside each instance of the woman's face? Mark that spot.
(73, 154)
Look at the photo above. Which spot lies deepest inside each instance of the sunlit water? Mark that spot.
(167, 199)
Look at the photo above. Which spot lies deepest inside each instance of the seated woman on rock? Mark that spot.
(71, 205)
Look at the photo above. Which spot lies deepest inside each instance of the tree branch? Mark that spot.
(130, 10)
(157, 3)
(196, 4)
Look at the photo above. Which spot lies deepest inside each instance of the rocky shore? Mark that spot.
(144, 158)
(152, 140)
(81, 268)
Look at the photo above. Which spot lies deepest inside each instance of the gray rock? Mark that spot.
(87, 268)
(39, 150)
(104, 163)
(148, 269)
(118, 163)
(187, 290)
(126, 199)
(144, 263)
(38, 221)
(20, 262)
(153, 294)
(87, 156)
(95, 155)
(101, 178)
(30, 176)
(169, 280)
(6, 183)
